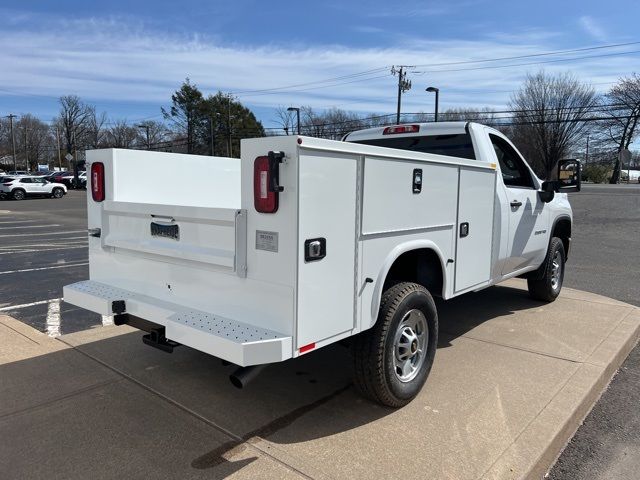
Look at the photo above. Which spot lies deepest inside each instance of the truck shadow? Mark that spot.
(293, 402)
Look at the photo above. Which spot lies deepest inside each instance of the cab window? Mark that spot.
(456, 145)
(514, 172)
(25, 180)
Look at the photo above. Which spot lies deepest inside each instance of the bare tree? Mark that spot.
(33, 141)
(485, 115)
(550, 113)
(95, 135)
(622, 107)
(75, 121)
(157, 134)
(122, 135)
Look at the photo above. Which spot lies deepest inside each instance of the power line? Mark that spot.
(517, 57)
(534, 63)
(333, 79)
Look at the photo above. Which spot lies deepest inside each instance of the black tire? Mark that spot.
(57, 192)
(546, 282)
(18, 194)
(377, 374)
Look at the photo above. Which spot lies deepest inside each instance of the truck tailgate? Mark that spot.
(214, 236)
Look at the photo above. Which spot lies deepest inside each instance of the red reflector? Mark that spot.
(97, 181)
(401, 129)
(265, 199)
(306, 348)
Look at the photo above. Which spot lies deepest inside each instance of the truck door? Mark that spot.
(526, 215)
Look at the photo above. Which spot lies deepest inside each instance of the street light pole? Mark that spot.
(297, 110)
(437, 92)
(146, 128)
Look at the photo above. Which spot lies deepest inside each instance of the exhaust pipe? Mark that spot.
(243, 375)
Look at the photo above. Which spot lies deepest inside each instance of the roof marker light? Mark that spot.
(401, 129)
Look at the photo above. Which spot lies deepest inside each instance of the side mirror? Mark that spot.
(548, 191)
(569, 175)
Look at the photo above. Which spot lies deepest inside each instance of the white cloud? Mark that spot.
(118, 59)
(590, 26)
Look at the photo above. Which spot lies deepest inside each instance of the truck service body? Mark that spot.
(303, 241)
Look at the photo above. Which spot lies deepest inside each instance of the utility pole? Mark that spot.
(26, 149)
(229, 125)
(13, 141)
(59, 153)
(404, 85)
(212, 136)
(586, 157)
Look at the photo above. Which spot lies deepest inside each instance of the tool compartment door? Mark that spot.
(476, 195)
(327, 210)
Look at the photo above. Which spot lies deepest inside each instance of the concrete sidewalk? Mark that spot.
(512, 380)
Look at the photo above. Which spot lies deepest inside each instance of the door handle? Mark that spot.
(516, 204)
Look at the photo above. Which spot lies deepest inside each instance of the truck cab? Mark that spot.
(526, 214)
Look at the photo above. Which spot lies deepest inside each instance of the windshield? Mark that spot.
(457, 145)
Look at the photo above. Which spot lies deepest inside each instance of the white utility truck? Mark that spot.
(304, 242)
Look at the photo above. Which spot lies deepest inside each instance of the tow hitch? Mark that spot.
(156, 339)
(156, 333)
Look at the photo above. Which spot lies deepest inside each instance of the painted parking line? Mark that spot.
(17, 221)
(31, 226)
(53, 318)
(59, 242)
(52, 267)
(43, 250)
(41, 234)
(26, 305)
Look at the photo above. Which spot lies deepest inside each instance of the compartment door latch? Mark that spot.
(315, 249)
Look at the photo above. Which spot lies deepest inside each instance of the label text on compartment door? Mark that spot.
(267, 241)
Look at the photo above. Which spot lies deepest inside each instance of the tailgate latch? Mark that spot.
(275, 159)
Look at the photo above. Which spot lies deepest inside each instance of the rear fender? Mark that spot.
(388, 263)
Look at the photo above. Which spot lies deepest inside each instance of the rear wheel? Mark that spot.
(57, 192)
(546, 282)
(18, 194)
(393, 359)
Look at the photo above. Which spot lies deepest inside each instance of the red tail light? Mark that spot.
(97, 181)
(265, 199)
(401, 129)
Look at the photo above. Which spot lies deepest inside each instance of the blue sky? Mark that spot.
(127, 57)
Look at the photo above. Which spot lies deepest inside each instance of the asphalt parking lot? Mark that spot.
(43, 247)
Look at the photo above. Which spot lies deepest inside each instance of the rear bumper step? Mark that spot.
(237, 342)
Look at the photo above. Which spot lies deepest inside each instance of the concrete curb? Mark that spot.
(533, 454)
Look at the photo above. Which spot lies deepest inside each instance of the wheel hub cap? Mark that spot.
(410, 345)
(556, 270)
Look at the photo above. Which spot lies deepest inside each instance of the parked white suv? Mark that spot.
(20, 187)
